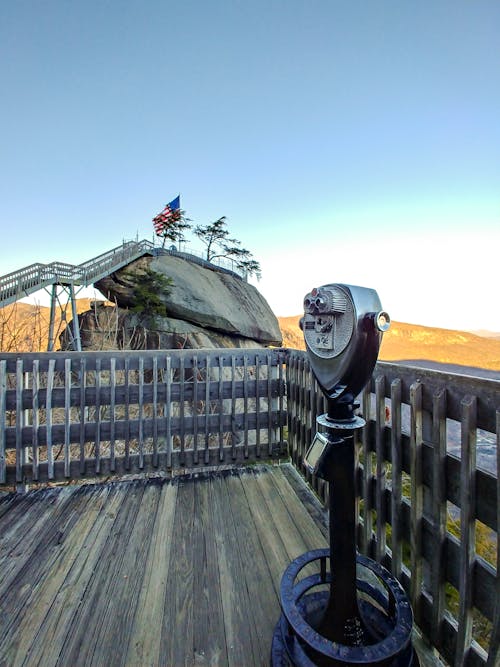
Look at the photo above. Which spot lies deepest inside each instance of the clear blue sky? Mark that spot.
(345, 141)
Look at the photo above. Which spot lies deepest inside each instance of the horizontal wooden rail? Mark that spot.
(428, 490)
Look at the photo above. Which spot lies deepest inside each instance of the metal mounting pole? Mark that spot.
(341, 622)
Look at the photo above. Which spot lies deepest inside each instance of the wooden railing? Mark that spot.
(74, 415)
(427, 475)
(427, 510)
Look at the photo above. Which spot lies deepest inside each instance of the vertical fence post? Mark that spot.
(84, 412)
(281, 384)
(494, 647)
(3, 416)
(168, 409)
(194, 407)
(367, 474)
(381, 468)
(35, 419)
(417, 500)
(439, 511)
(112, 410)
(140, 415)
(20, 454)
(206, 456)
(155, 412)
(220, 406)
(48, 417)
(467, 527)
(67, 417)
(97, 440)
(258, 362)
(396, 479)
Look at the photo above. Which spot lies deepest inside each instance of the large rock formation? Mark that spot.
(206, 308)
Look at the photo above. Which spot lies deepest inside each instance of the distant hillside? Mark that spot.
(415, 342)
(24, 328)
(485, 333)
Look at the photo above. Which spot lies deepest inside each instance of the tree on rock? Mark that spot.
(175, 228)
(149, 288)
(216, 238)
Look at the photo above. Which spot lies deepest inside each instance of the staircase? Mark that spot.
(21, 283)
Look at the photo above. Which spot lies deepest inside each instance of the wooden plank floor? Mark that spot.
(151, 572)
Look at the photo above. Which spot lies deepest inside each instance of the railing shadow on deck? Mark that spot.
(427, 472)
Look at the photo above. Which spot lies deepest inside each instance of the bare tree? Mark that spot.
(218, 243)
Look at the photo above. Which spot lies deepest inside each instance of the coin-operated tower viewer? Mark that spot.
(363, 617)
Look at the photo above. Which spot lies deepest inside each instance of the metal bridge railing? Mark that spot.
(21, 283)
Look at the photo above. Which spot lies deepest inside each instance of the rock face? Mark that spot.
(206, 308)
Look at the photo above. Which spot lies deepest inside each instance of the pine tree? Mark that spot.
(216, 238)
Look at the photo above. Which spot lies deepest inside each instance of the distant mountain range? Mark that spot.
(24, 328)
(419, 344)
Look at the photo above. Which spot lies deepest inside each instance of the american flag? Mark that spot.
(171, 213)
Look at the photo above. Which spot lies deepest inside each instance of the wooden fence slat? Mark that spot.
(155, 412)
(141, 413)
(112, 413)
(67, 417)
(20, 454)
(3, 420)
(396, 479)
(126, 383)
(168, 410)
(381, 468)
(367, 466)
(220, 408)
(207, 407)
(83, 412)
(257, 405)
(195, 407)
(246, 381)
(467, 528)
(48, 417)
(439, 513)
(274, 381)
(290, 391)
(281, 398)
(35, 419)
(417, 500)
(181, 408)
(494, 647)
(97, 420)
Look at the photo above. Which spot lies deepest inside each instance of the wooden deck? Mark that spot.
(151, 572)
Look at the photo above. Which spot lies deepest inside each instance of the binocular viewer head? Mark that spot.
(343, 327)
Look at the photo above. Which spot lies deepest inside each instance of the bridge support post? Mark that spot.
(53, 300)
(69, 290)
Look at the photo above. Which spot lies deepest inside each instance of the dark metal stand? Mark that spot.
(365, 620)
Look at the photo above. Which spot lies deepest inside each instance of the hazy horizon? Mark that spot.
(345, 142)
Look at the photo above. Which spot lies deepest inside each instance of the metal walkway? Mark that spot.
(22, 283)
(32, 278)
(18, 284)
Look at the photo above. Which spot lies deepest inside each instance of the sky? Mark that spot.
(345, 141)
